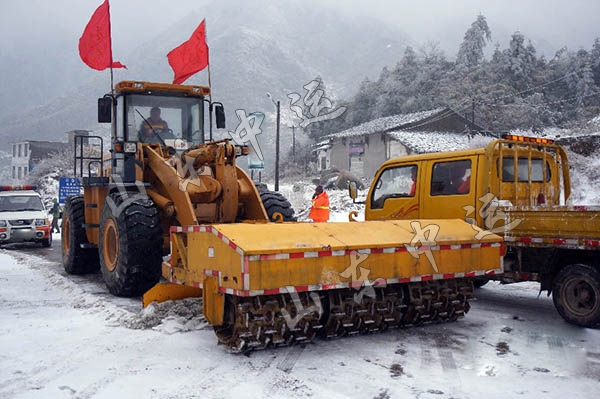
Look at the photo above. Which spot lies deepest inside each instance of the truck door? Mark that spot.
(449, 187)
(395, 193)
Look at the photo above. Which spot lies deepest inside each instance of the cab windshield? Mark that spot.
(169, 117)
(20, 203)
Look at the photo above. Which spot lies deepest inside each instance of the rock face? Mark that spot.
(338, 179)
(584, 144)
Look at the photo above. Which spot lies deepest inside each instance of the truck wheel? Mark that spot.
(130, 245)
(76, 260)
(275, 202)
(576, 295)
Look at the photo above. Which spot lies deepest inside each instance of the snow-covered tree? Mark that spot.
(580, 77)
(520, 60)
(470, 53)
(595, 59)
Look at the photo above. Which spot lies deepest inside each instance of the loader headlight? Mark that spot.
(3, 223)
(41, 222)
(130, 147)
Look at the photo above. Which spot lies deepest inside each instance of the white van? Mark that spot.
(23, 217)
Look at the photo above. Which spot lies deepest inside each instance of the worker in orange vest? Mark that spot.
(319, 212)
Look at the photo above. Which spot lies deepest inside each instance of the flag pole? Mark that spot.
(210, 105)
(208, 56)
(112, 92)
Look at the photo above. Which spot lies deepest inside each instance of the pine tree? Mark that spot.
(595, 59)
(520, 60)
(581, 77)
(470, 53)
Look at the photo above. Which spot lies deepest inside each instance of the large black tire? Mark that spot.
(576, 295)
(275, 202)
(76, 259)
(480, 282)
(130, 245)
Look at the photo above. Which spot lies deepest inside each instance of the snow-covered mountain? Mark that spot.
(270, 46)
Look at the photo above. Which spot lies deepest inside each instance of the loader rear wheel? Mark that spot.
(576, 295)
(130, 245)
(76, 258)
(274, 202)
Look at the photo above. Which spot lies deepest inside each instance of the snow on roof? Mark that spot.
(424, 142)
(388, 122)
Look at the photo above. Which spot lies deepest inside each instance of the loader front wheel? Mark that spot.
(130, 245)
(576, 295)
(77, 259)
(274, 202)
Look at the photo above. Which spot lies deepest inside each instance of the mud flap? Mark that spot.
(162, 292)
(213, 302)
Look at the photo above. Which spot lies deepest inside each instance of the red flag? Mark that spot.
(191, 56)
(95, 42)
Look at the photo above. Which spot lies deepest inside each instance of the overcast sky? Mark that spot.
(574, 23)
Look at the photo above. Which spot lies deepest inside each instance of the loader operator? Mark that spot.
(153, 125)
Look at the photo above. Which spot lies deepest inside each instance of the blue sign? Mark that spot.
(68, 186)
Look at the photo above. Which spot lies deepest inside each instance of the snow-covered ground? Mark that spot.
(66, 337)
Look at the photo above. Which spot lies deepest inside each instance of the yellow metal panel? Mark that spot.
(162, 292)
(206, 251)
(213, 303)
(294, 237)
(296, 254)
(555, 222)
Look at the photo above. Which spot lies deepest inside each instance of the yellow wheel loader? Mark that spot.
(169, 204)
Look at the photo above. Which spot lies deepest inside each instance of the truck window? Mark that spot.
(395, 182)
(451, 178)
(523, 170)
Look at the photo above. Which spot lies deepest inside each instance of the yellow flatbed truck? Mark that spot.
(516, 187)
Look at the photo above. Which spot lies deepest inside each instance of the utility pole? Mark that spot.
(294, 142)
(473, 115)
(277, 149)
(277, 104)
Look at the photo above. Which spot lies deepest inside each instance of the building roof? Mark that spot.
(385, 123)
(424, 142)
(42, 149)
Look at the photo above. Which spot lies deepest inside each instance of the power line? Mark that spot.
(545, 104)
(513, 95)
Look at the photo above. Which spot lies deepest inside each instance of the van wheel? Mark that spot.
(576, 295)
(76, 258)
(130, 245)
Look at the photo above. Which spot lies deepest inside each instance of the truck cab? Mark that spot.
(441, 185)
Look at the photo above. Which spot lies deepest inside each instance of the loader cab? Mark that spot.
(171, 116)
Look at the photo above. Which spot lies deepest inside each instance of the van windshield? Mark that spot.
(20, 203)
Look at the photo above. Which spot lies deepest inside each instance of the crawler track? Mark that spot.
(258, 322)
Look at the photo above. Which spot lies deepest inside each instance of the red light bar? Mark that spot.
(524, 139)
(16, 188)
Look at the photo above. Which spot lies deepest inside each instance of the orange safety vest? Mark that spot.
(153, 126)
(320, 208)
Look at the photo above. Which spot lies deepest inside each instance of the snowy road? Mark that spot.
(65, 337)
